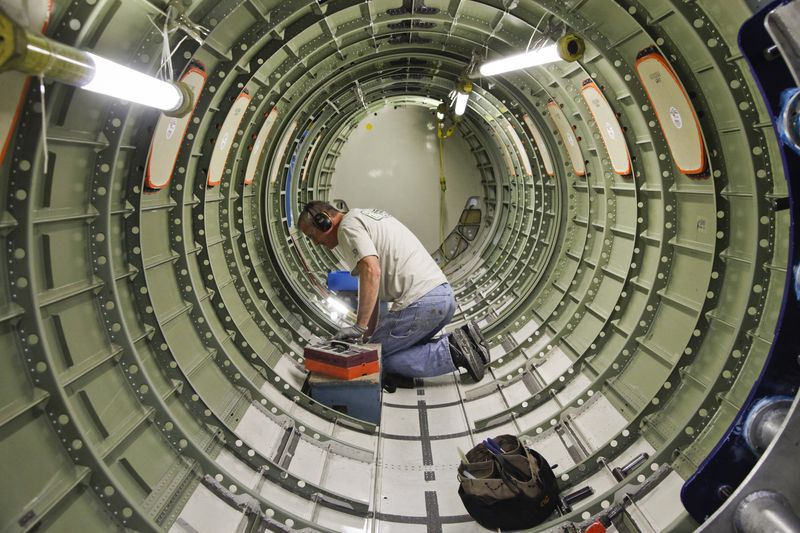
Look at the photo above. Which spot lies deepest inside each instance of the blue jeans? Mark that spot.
(406, 336)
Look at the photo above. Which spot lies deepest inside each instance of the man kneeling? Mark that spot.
(393, 266)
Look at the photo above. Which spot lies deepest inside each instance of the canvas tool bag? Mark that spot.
(516, 491)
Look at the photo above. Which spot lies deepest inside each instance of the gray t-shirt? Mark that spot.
(407, 269)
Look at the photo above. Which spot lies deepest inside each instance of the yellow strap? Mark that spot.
(443, 186)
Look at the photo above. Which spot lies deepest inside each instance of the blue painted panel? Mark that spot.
(732, 459)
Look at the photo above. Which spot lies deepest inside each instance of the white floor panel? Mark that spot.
(424, 459)
(307, 462)
(355, 438)
(484, 407)
(445, 454)
(308, 418)
(497, 352)
(550, 446)
(522, 334)
(576, 387)
(272, 394)
(338, 521)
(663, 504)
(440, 390)
(506, 365)
(205, 512)
(399, 421)
(401, 454)
(556, 363)
(243, 474)
(384, 526)
(259, 432)
(446, 420)
(287, 369)
(401, 397)
(288, 501)
(447, 495)
(517, 392)
(402, 490)
(599, 422)
(346, 476)
(539, 417)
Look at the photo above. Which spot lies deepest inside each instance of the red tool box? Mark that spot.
(342, 360)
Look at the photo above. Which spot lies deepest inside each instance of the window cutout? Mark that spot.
(169, 134)
(256, 156)
(568, 136)
(609, 128)
(227, 134)
(523, 155)
(540, 145)
(674, 111)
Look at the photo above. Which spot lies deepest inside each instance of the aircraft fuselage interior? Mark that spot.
(609, 186)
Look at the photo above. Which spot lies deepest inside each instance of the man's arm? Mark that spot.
(373, 321)
(369, 278)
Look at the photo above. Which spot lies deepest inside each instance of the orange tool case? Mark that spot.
(342, 360)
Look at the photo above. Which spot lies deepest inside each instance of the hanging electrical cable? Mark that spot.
(443, 187)
(44, 125)
(165, 71)
(442, 132)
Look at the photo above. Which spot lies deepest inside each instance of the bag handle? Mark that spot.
(505, 477)
(497, 452)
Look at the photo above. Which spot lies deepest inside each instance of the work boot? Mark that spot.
(474, 333)
(392, 382)
(465, 355)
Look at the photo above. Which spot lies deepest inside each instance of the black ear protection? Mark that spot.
(320, 219)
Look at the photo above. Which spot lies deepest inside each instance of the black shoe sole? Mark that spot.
(392, 382)
(472, 361)
(474, 332)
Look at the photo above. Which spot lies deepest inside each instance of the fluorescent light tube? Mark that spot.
(540, 56)
(461, 103)
(113, 79)
(38, 55)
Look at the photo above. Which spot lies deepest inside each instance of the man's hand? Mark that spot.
(352, 333)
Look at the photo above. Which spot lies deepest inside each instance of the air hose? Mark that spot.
(442, 134)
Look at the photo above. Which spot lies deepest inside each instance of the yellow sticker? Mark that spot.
(369, 125)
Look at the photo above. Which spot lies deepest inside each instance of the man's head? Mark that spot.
(320, 221)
